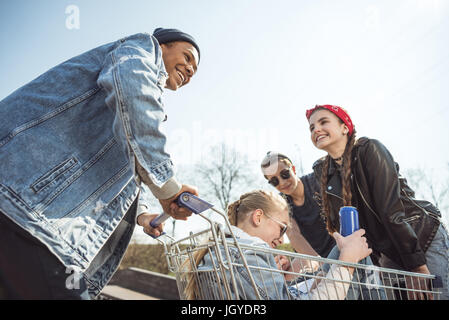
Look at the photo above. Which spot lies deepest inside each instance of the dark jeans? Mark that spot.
(28, 270)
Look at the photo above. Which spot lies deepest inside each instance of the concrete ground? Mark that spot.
(114, 292)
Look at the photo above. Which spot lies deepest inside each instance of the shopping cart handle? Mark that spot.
(159, 219)
(186, 200)
(193, 203)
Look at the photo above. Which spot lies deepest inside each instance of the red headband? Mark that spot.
(338, 111)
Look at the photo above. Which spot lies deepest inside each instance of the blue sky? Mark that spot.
(263, 63)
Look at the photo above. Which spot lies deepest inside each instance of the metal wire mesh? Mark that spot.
(229, 276)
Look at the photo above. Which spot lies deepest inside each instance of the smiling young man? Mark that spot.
(181, 58)
(308, 234)
(82, 151)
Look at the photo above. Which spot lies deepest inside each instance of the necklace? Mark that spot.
(338, 159)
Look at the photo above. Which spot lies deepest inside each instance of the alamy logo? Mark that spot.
(73, 19)
(73, 280)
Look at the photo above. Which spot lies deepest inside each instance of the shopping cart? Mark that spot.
(234, 271)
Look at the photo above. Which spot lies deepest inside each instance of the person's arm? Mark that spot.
(297, 240)
(144, 216)
(382, 178)
(144, 201)
(132, 77)
(335, 285)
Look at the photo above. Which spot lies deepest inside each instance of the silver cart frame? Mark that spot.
(220, 282)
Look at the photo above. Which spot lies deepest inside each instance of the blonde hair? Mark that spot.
(238, 211)
(268, 201)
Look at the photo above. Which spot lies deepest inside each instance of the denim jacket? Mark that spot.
(271, 285)
(76, 142)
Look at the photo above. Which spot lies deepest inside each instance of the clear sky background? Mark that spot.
(263, 63)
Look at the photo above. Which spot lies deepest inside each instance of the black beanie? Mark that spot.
(168, 35)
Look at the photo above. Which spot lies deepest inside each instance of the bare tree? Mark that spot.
(227, 173)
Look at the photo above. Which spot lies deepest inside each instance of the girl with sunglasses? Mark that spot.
(405, 232)
(308, 234)
(260, 219)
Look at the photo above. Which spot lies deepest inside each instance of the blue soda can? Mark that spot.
(349, 220)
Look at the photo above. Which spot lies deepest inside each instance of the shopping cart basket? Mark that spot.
(230, 274)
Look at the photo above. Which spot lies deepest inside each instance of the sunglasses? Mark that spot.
(283, 225)
(284, 174)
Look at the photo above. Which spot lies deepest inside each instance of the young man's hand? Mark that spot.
(144, 220)
(171, 207)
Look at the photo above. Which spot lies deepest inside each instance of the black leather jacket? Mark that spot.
(396, 224)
